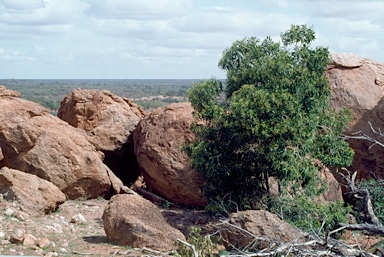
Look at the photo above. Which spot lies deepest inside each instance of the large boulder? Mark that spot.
(158, 139)
(134, 221)
(108, 121)
(357, 84)
(32, 194)
(245, 228)
(35, 142)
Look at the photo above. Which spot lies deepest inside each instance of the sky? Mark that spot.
(167, 39)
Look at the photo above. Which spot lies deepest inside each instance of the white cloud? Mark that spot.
(352, 10)
(166, 38)
(139, 9)
(22, 4)
(52, 12)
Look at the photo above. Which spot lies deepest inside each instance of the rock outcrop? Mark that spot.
(357, 84)
(108, 121)
(134, 221)
(35, 142)
(9, 93)
(158, 139)
(245, 225)
(32, 194)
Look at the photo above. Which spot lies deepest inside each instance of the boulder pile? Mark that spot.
(101, 141)
(108, 121)
(35, 142)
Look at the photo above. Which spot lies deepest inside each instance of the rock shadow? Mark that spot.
(123, 162)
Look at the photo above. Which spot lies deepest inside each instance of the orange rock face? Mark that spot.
(108, 119)
(158, 139)
(34, 195)
(35, 142)
(357, 84)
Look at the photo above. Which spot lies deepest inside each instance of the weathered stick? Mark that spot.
(190, 246)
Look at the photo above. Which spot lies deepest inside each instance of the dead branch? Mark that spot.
(360, 194)
(307, 245)
(151, 196)
(362, 135)
(190, 246)
(377, 230)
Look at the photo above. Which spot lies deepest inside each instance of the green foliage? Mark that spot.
(155, 103)
(376, 191)
(203, 244)
(51, 104)
(309, 214)
(49, 92)
(274, 122)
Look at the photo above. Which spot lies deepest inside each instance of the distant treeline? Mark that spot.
(148, 93)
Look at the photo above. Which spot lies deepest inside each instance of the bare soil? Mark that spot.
(80, 238)
(87, 238)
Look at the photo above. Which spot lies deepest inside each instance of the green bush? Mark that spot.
(376, 191)
(308, 214)
(203, 245)
(274, 121)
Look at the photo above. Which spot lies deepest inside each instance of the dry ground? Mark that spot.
(77, 239)
(88, 238)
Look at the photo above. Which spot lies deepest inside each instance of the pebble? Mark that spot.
(17, 237)
(50, 254)
(63, 250)
(78, 219)
(29, 240)
(9, 212)
(43, 242)
(22, 215)
(2, 235)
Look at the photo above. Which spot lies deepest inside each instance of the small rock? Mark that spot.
(17, 237)
(29, 240)
(38, 251)
(55, 227)
(63, 250)
(78, 219)
(9, 212)
(43, 242)
(22, 215)
(50, 254)
(2, 235)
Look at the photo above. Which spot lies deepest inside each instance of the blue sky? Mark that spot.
(149, 39)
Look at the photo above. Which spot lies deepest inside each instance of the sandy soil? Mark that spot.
(68, 238)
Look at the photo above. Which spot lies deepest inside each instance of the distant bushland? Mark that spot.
(148, 93)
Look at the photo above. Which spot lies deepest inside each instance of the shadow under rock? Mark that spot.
(96, 239)
(183, 219)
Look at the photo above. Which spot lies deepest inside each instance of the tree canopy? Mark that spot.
(271, 119)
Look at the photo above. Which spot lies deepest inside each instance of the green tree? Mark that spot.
(272, 119)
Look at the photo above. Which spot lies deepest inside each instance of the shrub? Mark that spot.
(310, 215)
(274, 121)
(203, 244)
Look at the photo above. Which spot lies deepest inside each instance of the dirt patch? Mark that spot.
(79, 238)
